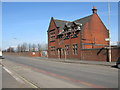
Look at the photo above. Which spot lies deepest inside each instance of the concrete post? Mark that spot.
(110, 54)
(65, 55)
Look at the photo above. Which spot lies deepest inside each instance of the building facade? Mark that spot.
(66, 39)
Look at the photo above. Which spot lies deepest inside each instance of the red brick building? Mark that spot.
(67, 38)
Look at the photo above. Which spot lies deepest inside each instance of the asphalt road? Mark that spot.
(83, 75)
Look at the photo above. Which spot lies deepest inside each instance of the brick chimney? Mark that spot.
(94, 10)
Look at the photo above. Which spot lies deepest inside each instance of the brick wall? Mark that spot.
(30, 54)
(100, 54)
(115, 53)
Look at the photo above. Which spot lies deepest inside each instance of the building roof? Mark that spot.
(62, 23)
(83, 20)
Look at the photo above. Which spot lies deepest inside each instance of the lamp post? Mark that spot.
(110, 52)
(109, 48)
(109, 31)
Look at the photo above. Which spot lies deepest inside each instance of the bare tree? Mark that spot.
(24, 47)
(39, 47)
(33, 47)
(19, 48)
(30, 47)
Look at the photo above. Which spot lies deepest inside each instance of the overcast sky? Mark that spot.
(28, 21)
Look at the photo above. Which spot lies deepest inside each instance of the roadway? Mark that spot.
(49, 74)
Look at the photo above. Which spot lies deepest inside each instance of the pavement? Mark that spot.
(78, 61)
(0, 76)
(12, 80)
(8, 81)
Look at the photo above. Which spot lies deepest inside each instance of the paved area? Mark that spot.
(8, 81)
(0, 76)
(11, 80)
(79, 61)
(45, 73)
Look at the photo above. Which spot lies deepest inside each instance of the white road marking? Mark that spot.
(19, 78)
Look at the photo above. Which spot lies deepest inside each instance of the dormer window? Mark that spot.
(74, 34)
(78, 28)
(66, 28)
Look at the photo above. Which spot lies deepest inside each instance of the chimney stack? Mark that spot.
(94, 10)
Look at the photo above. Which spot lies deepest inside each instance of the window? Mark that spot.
(52, 36)
(59, 36)
(75, 49)
(67, 49)
(52, 50)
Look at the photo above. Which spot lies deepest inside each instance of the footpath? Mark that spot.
(79, 61)
(104, 63)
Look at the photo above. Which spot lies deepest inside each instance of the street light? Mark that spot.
(108, 39)
(109, 31)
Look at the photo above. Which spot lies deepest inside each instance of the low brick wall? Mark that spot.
(86, 54)
(100, 54)
(115, 53)
(30, 54)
